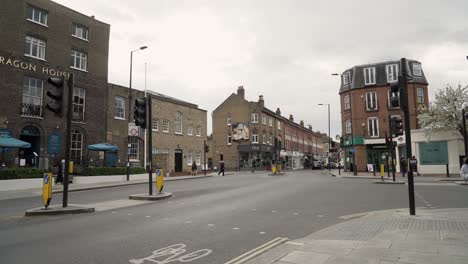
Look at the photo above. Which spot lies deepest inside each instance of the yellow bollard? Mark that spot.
(70, 168)
(382, 170)
(273, 169)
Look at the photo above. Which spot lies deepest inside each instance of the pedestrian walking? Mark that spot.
(221, 167)
(464, 171)
(414, 166)
(403, 167)
(194, 168)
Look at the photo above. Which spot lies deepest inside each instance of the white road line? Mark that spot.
(295, 213)
(129, 214)
(148, 216)
(210, 224)
(262, 233)
(253, 209)
(235, 228)
(320, 216)
(114, 212)
(188, 222)
(273, 211)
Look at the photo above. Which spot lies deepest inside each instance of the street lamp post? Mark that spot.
(329, 139)
(129, 106)
(352, 126)
(464, 116)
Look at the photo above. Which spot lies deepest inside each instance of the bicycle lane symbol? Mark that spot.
(173, 254)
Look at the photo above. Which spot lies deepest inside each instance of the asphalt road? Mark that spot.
(210, 220)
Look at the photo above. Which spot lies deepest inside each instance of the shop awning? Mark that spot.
(103, 147)
(7, 141)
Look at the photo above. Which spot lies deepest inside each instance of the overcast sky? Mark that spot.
(201, 51)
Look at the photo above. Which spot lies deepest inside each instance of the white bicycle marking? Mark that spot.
(173, 254)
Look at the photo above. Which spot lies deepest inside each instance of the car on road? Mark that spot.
(317, 164)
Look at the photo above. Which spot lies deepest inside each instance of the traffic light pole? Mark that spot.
(404, 106)
(69, 84)
(150, 143)
(204, 151)
(392, 148)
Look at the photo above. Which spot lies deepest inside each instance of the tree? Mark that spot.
(445, 112)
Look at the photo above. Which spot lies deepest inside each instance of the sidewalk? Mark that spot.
(382, 237)
(75, 187)
(370, 175)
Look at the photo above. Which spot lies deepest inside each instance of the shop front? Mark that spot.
(258, 156)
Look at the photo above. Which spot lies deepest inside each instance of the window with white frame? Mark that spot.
(271, 140)
(346, 79)
(79, 60)
(190, 158)
(155, 150)
(76, 149)
(32, 97)
(369, 75)
(389, 101)
(392, 72)
(80, 31)
(36, 15)
(134, 151)
(417, 69)
(165, 126)
(254, 117)
(348, 126)
(270, 121)
(419, 95)
(155, 125)
(279, 125)
(371, 101)
(373, 126)
(198, 131)
(190, 131)
(79, 95)
(264, 138)
(347, 103)
(229, 139)
(228, 119)
(254, 138)
(178, 123)
(119, 109)
(35, 48)
(198, 157)
(264, 119)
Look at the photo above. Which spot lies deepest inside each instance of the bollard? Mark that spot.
(373, 169)
(447, 169)
(382, 170)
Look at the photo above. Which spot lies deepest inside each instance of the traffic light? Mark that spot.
(389, 142)
(139, 115)
(56, 103)
(207, 148)
(397, 125)
(394, 94)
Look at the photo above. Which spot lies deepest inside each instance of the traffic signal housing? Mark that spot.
(397, 126)
(56, 103)
(140, 114)
(395, 94)
(389, 142)
(207, 148)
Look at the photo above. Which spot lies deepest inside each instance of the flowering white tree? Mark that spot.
(445, 112)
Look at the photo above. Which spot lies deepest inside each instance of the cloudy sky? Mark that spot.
(201, 50)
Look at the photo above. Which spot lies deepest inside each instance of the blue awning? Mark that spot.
(103, 147)
(6, 141)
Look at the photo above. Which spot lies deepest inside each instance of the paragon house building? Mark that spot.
(178, 131)
(42, 39)
(366, 109)
(247, 133)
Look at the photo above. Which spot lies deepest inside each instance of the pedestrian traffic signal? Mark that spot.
(397, 126)
(139, 114)
(207, 148)
(389, 142)
(56, 96)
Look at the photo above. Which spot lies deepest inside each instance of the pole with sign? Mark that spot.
(47, 189)
(159, 180)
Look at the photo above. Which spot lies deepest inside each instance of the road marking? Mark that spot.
(295, 243)
(320, 216)
(172, 254)
(129, 214)
(148, 216)
(262, 233)
(210, 224)
(253, 209)
(235, 228)
(257, 251)
(295, 213)
(188, 222)
(273, 211)
(114, 212)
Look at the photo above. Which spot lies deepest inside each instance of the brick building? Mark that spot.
(365, 108)
(246, 133)
(179, 130)
(42, 39)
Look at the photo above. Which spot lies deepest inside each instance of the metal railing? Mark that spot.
(31, 110)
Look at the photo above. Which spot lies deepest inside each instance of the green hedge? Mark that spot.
(21, 173)
(111, 171)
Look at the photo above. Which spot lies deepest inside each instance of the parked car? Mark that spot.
(317, 164)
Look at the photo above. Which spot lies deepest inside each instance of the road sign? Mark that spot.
(159, 180)
(47, 189)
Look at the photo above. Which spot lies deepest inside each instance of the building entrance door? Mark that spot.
(178, 160)
(31, 135)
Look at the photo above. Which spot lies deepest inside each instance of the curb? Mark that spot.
(126, 184)
(58, 210)
(258, 251)
(147, 197)
(389, 182)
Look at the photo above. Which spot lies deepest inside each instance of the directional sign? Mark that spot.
(159, 180)
(47, 189)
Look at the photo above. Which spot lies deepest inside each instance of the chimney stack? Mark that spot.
(241, 92)
(278, 111)
(291, 118)
(310, 127)
(260, 100)
(302, 123)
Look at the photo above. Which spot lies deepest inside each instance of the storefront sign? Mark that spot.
(254, 147)
(27, 66)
